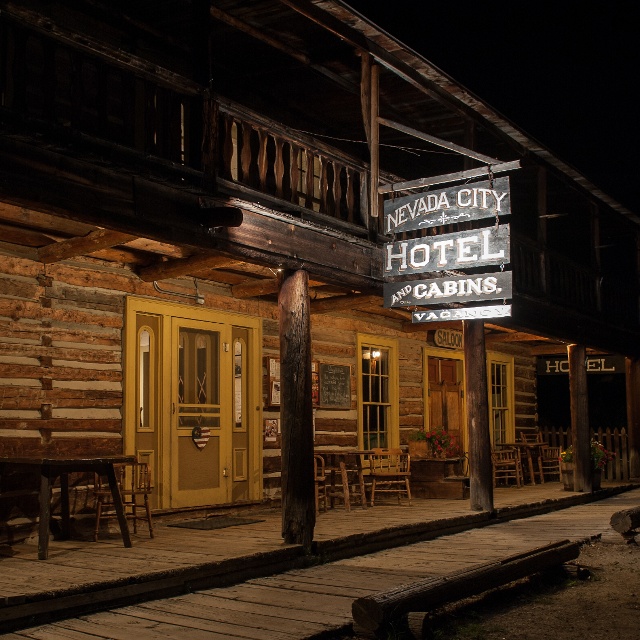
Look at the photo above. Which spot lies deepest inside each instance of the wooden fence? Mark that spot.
(615, 440)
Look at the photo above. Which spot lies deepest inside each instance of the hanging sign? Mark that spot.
(470, 313)
(447, 206)
(548, 366)
(450, 251)
(481, 286)
(448, 338)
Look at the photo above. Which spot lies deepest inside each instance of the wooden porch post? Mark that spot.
(581, 434)
(633, 414)
(475, 384)
(296, 409)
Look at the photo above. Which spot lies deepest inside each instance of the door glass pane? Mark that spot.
(199, 379)
(144, 379)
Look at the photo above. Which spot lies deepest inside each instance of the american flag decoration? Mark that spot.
(200, 436)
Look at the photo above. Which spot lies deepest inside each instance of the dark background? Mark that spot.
(565, 72)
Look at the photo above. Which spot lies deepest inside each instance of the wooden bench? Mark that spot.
(374, 613)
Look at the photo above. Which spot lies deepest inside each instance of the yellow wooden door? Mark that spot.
(201, 408)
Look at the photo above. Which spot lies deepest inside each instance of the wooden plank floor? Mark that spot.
(300, 603)
(306, 602)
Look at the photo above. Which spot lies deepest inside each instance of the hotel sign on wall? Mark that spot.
(457, 252)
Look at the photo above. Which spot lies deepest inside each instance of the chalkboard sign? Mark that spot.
(335, 386)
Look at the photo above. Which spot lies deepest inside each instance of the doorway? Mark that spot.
(193, 395)
(445, 391)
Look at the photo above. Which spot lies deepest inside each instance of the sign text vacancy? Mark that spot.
(461, 250)
(447, 206)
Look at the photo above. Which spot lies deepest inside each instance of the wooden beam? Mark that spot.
(339, 303)
(94, 241)
(259, 34)
(296, 410)
(264, 287)
(439, 142)
(516, 336)
(188, 266)
(449, 177)
(117, 56)
(633, 414)
(25, 237)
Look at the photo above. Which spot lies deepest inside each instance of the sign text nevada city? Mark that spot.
(447, 206)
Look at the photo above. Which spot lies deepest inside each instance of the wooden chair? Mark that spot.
(320, 482)
(134, 481)
(534, 453)
(551, 461)
(507, 466)
(389, 471)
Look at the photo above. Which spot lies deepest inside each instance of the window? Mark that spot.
(501, 400)
(378, 393)
(146, 371)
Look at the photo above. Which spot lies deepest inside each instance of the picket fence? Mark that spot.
(614, 440)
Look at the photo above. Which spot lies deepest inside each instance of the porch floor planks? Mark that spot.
(199, 605)
(118, 626)
(412, 562)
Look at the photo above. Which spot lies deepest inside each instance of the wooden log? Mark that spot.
(583, 476)
(372, 613)
(296, 410)
(626, 520)
(475, 374)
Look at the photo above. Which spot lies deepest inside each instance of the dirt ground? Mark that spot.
(559, 606)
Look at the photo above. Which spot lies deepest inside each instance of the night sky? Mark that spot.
(565, 72)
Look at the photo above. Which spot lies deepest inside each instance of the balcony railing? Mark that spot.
(298, 171)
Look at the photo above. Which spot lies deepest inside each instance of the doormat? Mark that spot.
(217, 522)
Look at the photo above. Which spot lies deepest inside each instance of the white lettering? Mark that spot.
(499, 198)
(463, 251)
(465, 203)
(402, 256)
(424, 248)
(442, 245)
(443, 201)
(485, 247)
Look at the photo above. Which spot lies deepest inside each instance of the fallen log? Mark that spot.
(626, 520)
(372, 613)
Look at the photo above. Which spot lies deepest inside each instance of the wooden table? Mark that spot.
(343, 462)
(530, 450)
(52, 468)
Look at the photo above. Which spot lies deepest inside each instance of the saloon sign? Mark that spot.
(447, 206)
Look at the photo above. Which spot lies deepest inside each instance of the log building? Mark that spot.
(186, 186)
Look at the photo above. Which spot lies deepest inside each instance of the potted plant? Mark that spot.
(600, 457)
(437, 443)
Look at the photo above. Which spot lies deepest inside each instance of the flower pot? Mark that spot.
(419, 449)
(566, 471)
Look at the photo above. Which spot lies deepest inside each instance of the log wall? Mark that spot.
(61, 377)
